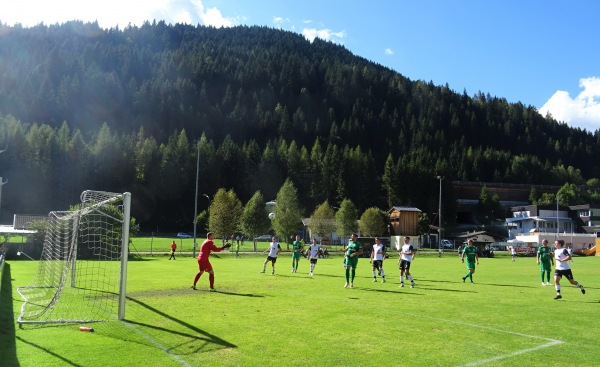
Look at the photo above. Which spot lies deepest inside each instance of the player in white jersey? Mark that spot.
(407, 254)
(274, 249)
(313, 255)
(562, 257)
(377, 256)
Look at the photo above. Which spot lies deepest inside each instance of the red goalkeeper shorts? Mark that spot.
(204, 265)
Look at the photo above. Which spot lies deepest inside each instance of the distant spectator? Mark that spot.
(570, 251)
(173, 248)
(237, 247)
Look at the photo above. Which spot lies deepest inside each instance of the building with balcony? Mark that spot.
(587, 217)
(533, 223)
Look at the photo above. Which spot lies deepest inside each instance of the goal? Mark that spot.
(82, 272)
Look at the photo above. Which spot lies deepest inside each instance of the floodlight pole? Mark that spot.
(440, 230)
(196, 200)
(557, 220)
(2, 182)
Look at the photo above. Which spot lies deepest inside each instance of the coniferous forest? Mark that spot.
(130, 110)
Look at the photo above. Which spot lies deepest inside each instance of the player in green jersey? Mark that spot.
(297, 248)
(544, 258)
(353, 251)
(470, 252)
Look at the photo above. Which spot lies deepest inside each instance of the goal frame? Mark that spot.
(89, 204)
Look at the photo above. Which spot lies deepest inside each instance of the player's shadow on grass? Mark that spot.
(507, 285)
(417, 294)
(391, 291)
(239, 294)
(195, 333)
(139, 258)
(7, 321)
(421, 280)
(317, 275)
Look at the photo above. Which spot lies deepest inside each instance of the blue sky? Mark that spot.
(544, 53)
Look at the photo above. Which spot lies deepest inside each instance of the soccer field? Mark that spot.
(506, 319)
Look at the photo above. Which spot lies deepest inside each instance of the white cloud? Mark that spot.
(280, 20)
(583, 111)
(324, 34)
(212, 16)
(388, 51)
(111, 13)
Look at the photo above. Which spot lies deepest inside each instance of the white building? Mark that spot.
(532, 224)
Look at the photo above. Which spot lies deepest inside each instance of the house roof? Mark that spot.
(404, 209)
(539, 219)
(11, 230)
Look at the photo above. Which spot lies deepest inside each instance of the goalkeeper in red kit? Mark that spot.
(203, 260)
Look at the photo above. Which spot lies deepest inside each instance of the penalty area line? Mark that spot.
(154, 342)
(513, 354)
(550, 342)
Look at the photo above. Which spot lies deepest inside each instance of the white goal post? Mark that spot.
(82, 273)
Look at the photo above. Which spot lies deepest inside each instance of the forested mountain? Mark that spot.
(129, 109)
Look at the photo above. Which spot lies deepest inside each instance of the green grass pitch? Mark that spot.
(506, 319)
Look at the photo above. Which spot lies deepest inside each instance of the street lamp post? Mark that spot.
(557, 221)
(440, 230)
(389, 235)
(196, 217)
(196, 201)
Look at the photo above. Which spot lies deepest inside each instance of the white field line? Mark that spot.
(174, 357)
(513, 354)
(550, 342)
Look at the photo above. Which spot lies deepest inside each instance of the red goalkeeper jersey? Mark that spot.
(206, 248)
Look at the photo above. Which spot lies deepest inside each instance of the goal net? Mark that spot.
(82, 273)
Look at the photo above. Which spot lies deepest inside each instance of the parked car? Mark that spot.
(264, 237)
(184, 235)
(447, 244)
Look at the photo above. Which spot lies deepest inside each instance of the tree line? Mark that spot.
(133, 109)
(226, 215)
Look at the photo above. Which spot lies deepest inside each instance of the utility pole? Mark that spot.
(196, 200)
(440, 230)
(557, 220)
(2, 183)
